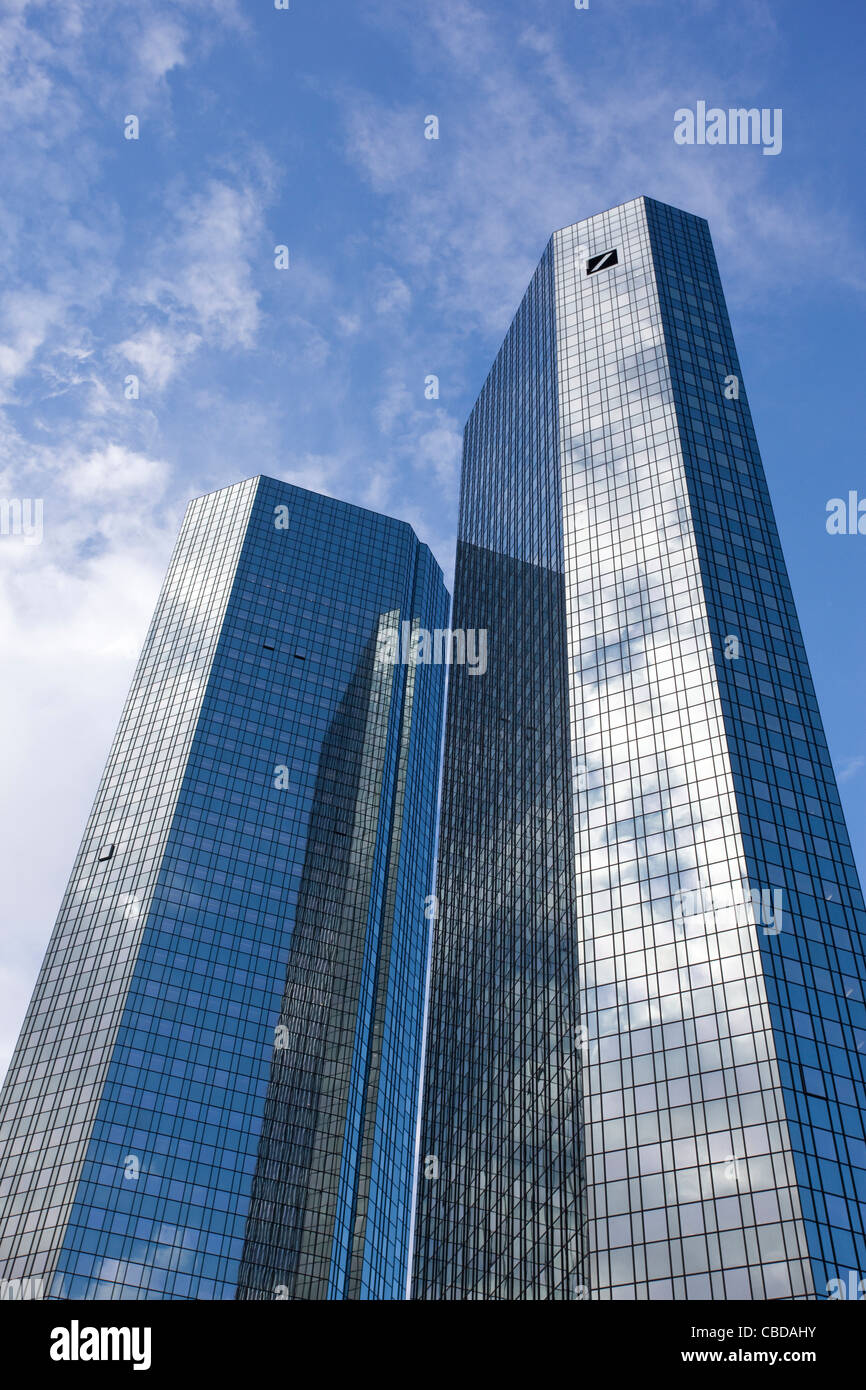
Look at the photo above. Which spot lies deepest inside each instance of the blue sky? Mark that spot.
(305, 127)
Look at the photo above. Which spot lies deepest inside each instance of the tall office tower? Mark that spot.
(215, 1091)
(646, 884)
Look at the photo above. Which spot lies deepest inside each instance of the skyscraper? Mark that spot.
(645, 1061)
(215, 1090)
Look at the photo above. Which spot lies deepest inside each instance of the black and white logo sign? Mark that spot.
(602, 262)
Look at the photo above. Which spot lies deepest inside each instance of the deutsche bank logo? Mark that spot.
(602, 262)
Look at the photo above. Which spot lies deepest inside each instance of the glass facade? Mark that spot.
(500, 1174)
(214, 1094)
(703, 930)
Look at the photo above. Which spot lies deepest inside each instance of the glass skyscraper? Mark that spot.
(215, 1092)
(647, 1039)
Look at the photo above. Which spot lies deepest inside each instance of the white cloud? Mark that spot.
(203, 278)
(393, 295)
(387, 143)
(25, 318)
(396, 402)
(116, 471)
(159, 353)
(440, 449)
(160, 47)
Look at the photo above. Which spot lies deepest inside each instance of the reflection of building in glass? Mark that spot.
(649, 694)
(215, 1090)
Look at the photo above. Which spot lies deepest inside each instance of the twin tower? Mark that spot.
(609, 1042)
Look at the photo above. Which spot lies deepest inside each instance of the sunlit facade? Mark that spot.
(645, 1065)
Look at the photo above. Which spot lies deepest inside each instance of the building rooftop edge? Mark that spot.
(326, 497)
(638, 198)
